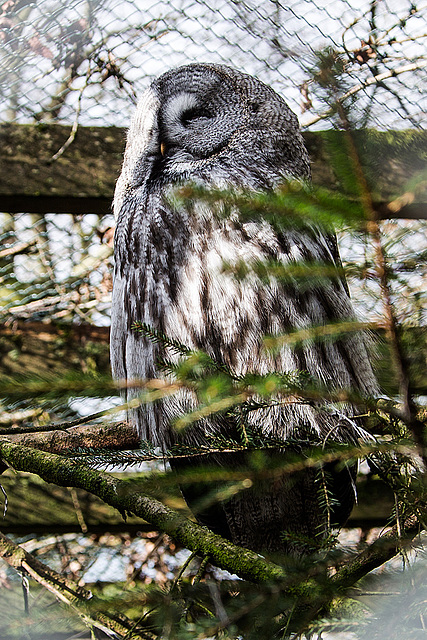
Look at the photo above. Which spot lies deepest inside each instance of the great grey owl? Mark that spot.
(216, 127)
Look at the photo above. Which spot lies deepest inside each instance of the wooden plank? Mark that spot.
(88, 167)
(39, 348)
(82, 179)
(100, 205)
(31, 348)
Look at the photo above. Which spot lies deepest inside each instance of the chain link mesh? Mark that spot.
(86, 61)
(92, 58)
(56, 267)
(59, 267)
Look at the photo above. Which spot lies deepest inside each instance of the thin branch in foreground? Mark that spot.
(67, 592)
(392, 327)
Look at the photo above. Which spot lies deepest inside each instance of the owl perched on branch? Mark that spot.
(214, 127)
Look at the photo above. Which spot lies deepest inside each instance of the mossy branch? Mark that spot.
(245, 563)
(117, 493)
(383, 549)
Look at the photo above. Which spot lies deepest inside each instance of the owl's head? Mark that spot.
(211, 123)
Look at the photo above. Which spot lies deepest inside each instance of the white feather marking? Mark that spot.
(175, 107)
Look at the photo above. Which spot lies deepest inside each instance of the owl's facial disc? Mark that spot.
(193, 127)
(209, 120)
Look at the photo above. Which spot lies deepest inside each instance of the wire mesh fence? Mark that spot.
(86, 58)
(59, 267)
(56, 267)
(85, 62)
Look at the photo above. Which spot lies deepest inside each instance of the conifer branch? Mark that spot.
(409, 413)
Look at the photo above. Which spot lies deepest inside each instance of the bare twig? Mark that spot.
(66, 591)
(21, 247)
(74, 128)
(391, 73)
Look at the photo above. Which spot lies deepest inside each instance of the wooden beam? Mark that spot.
(81, 180)
(55, 204)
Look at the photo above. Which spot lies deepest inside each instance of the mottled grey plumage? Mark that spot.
(217, 127)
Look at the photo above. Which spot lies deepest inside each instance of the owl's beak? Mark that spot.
(162, 148)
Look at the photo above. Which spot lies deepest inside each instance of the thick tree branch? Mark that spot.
(115, 437)
(324, 602)
(379, 552)
(313, 596)
(116, 492)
